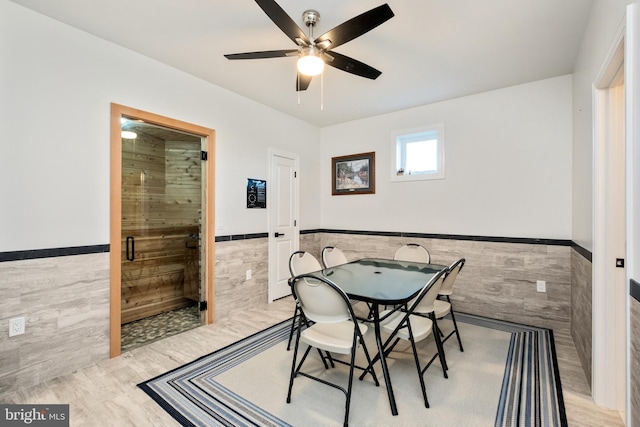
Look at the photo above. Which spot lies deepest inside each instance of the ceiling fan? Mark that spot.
(316, 53)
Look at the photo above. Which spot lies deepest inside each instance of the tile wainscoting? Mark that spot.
(634, 351)
(581, 309)
(233, 293)
(66, 298)
(65, 301)
(498, 279)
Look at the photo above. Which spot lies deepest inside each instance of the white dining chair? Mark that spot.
(332, 256)
(412, 325)
(413, 252)
(442, 307)
(335, 330)
(300, 262)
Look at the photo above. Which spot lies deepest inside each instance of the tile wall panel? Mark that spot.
(233, 258)
(498, 280)
(65, 301)
(311, 244)
(581, 313)
(232, 291)
(635, 361)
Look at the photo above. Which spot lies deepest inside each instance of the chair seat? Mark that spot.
(332, 337)
(441, 308)
(420, 326)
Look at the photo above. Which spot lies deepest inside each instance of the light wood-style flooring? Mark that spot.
(106, 394)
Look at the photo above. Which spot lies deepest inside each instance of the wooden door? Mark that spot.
(162, 215)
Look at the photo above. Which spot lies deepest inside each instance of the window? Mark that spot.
(418, 154)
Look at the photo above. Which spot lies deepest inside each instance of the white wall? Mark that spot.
(507, 173)
(605, 20)
(56, 86)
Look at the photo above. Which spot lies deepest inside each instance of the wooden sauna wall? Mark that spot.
(161, 202)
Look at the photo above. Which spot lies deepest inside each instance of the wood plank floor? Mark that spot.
(106, 394)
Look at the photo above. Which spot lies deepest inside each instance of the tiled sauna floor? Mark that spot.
(145, 331)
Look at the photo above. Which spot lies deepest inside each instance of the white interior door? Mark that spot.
(283, 228)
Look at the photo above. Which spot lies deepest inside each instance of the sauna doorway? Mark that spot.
(161, 227)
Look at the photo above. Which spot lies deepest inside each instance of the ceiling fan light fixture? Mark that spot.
(310, 65)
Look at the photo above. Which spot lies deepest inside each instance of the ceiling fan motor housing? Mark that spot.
(310, 17)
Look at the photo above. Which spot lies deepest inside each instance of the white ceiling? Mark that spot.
(432, 50)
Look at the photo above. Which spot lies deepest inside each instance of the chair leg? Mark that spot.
(420, 372)
(439, 346)
(370, 363)
(293, 363)
(293, 327)
(325, 358)
(455, 325)
(349, 386)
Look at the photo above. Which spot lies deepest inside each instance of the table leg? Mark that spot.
(383, 360)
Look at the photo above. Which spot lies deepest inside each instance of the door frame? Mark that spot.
(115, 251)
(609, 314)
(271, 222)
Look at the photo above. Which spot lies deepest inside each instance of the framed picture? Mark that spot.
(355, 174)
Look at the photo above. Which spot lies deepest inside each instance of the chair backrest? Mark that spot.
(302, 262)
(450, 278)
(321, 300)
(332, 256)
(424, 301)
(413, 252)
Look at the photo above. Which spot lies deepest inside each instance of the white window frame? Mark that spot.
(406, 135)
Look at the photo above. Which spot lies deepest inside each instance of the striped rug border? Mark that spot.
(192, 384)
(559, 415)
(531, 392)
(178, 386)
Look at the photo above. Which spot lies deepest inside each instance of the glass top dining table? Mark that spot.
(381, 282)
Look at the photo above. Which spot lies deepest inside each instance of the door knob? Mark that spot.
(278, 234)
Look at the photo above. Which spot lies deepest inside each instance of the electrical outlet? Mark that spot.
(248, 275)
(16, 326)
(541, 285)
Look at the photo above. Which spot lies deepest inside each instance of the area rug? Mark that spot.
(506, 376)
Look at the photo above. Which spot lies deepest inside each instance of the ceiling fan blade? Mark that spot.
(262, 55)
(357, 26)
(353, 66)
(282, 20)
(302, 82)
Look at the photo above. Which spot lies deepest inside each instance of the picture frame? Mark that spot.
(353, 174)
